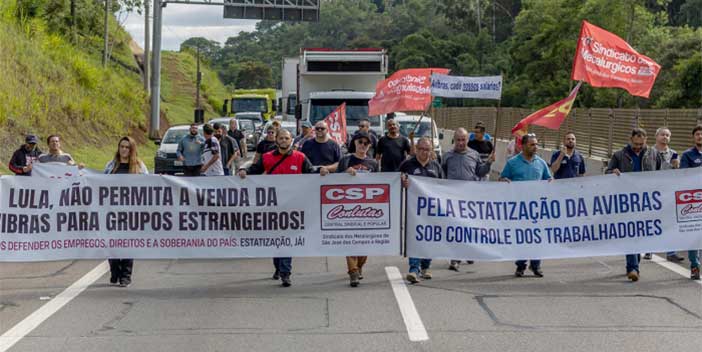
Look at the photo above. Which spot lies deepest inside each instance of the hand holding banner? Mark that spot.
(405, 90)
(606, 60)
(337, 124)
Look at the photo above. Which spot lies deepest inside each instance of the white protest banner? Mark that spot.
(580, 217)
(489, 87)
(152, 216)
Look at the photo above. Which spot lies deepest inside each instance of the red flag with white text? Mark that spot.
(405, 90)
(606, 60)
(337, 124)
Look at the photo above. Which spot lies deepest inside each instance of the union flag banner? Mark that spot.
(550, 117)
(337, 124)
(405, 90)
(606, 60)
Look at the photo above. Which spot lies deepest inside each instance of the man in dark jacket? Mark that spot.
(635, 157)
(25, 156)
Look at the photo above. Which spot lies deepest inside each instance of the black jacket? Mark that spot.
(22, 158)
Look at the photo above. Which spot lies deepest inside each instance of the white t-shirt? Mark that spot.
(212, 148)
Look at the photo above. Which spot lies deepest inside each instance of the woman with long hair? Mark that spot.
(126, 161)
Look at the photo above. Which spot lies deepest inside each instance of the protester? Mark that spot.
(322, 151)
(669, 160)
(513, 148)
(393, 148)
(229, 148)
(693, 158)
(189, 151)
(527, 166)
(238, 136)
(55, 154)
(567, 162)
(307, 134)
(125, 161)
(211, 154)
(420, 165)
(281, 161)
(481, 144)
(364, 126)
(635, 157)
(463, 163)
(267, 144)
(358, 162)
(23, 158)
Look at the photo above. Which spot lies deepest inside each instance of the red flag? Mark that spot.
(606, 60)
(337, 124)
(405, 90)
(550, 117)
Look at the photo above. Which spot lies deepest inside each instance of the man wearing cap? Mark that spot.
(25, 156)
(358, 162)
(307, 134)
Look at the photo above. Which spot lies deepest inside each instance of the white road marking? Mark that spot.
(415, 327)
(19, 331)
(672, 267)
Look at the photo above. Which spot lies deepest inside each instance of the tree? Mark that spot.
(209, 49)
(254, 74)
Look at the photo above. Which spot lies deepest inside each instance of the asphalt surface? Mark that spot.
(232, 305)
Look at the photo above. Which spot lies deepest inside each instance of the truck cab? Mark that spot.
(329, 77)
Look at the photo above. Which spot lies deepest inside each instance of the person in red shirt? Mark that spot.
(281, 161)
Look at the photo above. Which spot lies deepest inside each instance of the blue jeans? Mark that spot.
(416, 264)
(283, 265)
(632, 262)
(694, 256)
(521, 264)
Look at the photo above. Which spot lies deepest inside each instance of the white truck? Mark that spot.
(289, 87)
(329, 77)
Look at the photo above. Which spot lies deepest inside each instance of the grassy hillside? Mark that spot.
(178, 78)
(53, 82)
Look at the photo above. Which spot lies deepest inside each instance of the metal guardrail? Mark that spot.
(600, 132)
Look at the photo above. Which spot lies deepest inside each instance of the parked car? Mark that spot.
(408, 123)
(248, 127)
(253, 135)
(165, 161)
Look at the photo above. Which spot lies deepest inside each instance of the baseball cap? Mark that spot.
(361, 134)
(306, 124)
(31, 139)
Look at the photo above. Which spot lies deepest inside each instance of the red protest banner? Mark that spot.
(405, 90)
(551, 116)
(337, 124)
(606, 60)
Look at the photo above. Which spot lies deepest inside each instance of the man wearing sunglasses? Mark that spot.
(353, 164)
(267, 144)
(364, 126)
(322, 151)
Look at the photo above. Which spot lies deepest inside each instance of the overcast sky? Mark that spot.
(181, 22)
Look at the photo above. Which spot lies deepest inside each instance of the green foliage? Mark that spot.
(532, 44)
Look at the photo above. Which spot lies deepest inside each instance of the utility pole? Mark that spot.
(147, 42)
(198, 80)
(478, 10)
(156, 74)
(106, 37)
(494, 26)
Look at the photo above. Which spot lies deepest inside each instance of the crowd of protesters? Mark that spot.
(470, 160)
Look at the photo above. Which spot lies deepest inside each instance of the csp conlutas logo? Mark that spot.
(689, 205)
(355, 207)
